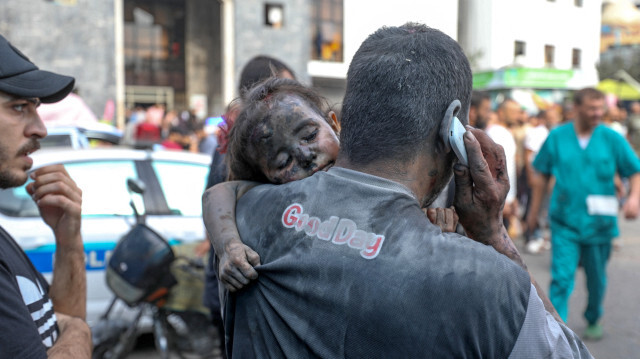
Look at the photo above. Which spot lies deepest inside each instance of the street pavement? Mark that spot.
(621, 319)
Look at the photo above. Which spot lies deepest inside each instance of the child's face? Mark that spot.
(295, 143)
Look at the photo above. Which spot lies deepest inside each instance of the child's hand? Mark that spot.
(236, 265)
(445, 218)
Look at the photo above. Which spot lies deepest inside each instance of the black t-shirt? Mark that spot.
(28, 324)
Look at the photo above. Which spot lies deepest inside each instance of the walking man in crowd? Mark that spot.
(499, 131)
(351, 266)
(584, 157)
(38, 320)
(479, 109)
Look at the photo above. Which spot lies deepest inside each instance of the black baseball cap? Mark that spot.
(20, 77)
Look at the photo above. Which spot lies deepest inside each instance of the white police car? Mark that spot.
(174, 183)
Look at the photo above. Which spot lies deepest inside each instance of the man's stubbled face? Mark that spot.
(294, 142)
(20, 130)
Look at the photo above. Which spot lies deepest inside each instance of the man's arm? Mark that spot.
(74, 341)
(60, 201)
(632, 205)
(480, 193)
(539, 185)
(219, 214)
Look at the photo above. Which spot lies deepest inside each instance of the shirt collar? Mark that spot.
(370, 180)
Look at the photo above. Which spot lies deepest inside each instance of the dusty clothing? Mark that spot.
(352, 268)
(27, 320)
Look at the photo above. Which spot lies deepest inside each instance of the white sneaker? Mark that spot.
(535, 245)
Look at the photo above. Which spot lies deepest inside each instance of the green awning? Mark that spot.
(522, 77)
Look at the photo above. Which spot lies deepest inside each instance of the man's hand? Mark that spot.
(236, 265)
(631, 208)
(480, 193)
(482, 187)
(445, 218)
(74, 340)
(59, 200)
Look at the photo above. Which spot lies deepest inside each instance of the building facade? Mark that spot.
(189, 53)
(550, 46)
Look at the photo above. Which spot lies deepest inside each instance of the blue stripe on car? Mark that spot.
(96, 255)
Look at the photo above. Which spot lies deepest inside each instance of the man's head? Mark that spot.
(549, 118)
(589, 106)
(509, 112)
(22, 87)
(399, 85)
(261, 68)
(480, 109)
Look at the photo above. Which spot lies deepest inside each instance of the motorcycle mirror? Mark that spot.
(136, 185)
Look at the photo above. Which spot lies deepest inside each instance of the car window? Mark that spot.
(16, 202)
(182, 184)
(56, 141)
(104, 187)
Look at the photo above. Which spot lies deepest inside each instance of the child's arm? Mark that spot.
(445, 218)
(237, 260)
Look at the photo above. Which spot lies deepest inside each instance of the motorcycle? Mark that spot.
(142, 272)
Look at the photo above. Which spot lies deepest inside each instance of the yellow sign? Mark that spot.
(66, 2)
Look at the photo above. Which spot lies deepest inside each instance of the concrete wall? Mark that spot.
(72, 40)
(291, 43)
(204, 53)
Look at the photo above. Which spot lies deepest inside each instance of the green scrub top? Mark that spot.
(582, 175)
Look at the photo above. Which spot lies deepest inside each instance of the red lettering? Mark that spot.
(344, 232)
(372, 251)
(359, 239)
(312, 226)
(327, 228)
(289, 217)
(302, 221)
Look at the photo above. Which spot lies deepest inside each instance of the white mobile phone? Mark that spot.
(456, 131)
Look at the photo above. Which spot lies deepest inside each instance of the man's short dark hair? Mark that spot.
(399, 85)
(477, 97)
(506, 101)
(588, 92)
(260, 68)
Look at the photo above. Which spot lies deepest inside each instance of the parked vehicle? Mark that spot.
(98, 134)
(142, 272)
(172, 204)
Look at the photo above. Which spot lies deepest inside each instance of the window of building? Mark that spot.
(549, 54)
(327, 32)
(273, 15)
(520, 48)
(575, 58)
(154, 40)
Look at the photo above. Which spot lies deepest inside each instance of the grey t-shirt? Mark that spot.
(352, 268)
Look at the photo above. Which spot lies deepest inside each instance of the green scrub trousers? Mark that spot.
(565, 256)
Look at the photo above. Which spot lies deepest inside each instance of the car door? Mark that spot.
(106, 217)
(179, 217)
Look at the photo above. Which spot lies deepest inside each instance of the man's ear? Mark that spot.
(333, 121)
(442, 142)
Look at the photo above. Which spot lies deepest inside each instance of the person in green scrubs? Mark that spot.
(583, 156)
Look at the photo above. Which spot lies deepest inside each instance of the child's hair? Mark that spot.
(255, 109)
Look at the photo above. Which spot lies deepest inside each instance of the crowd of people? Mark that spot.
(320, 246)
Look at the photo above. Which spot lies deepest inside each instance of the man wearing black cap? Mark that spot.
(38, 320)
